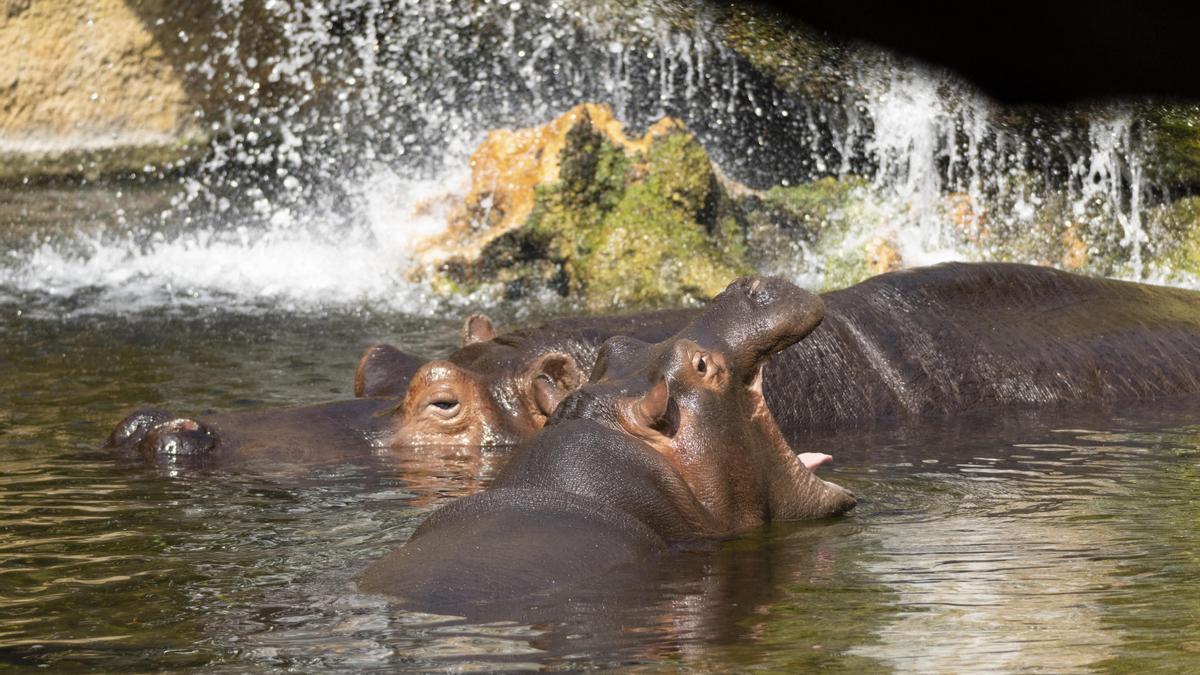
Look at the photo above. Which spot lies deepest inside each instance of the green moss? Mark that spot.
(812, 207)
(797, 59)
(623, 228)
(819, 218)
(651, 251)
(1174, 133)
(1179, 225)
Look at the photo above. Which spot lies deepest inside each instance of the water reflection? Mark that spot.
(1066, 541)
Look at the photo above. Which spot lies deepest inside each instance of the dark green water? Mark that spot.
(1065, 542)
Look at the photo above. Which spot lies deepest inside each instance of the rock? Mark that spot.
(85, 83)
(1177, 228)
(579, 207)
(882, 256)
(968, 219)
(1173, 132)
(798, 59)
(1075, 251)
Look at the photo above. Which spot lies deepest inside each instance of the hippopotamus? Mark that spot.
(914, 345)
(493, 391)
(668, 443)
(925, 343)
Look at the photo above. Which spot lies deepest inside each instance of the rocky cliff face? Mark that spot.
(87, 90)
(579, 207)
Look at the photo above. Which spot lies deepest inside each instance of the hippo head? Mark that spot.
(489, 392)
(697, 400)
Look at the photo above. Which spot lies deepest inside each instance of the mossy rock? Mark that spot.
(620, 226)
(811, 221)
(1179, 226)
(796, 58)
(1174, 133)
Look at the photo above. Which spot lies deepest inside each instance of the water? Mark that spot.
(341, 128)
(1064, 542)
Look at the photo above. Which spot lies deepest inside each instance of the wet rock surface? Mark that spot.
(579, 207)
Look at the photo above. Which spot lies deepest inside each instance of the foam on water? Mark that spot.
(294, 262)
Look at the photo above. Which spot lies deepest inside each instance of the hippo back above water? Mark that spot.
(957, 337)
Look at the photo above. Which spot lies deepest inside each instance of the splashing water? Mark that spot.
(330, 165)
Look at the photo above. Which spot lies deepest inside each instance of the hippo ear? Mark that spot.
(654, 411)
(554, 376)
(477, 328)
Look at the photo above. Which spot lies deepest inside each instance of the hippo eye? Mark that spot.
(444, 405)
(701, 364)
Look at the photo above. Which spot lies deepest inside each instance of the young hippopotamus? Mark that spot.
(668, 443)
(493, 391)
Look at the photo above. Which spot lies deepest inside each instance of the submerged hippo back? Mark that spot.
(958, 336)
(549, 524)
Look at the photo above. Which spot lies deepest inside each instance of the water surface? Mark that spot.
(1062, 542)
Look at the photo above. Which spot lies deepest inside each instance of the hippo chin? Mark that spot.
(668, 443)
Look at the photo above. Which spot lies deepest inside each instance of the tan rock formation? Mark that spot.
(506, 170)
(84, 74)
(1075, 251)
(98, 87)
(882, 256)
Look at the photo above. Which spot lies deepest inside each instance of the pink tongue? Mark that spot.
(812, 460)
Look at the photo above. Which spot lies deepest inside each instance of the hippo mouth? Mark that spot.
(797, 492)
(762, 415)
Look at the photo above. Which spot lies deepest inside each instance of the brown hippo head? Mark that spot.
(697, 400)
(491, 391)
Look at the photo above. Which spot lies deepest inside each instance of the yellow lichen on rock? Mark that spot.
(1075, 251)
(506, 169)
(882, 256)
(967, 218)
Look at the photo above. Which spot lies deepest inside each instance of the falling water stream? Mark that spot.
(1064, 542)
(334, 146)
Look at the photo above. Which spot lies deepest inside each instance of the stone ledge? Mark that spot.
(37, 161)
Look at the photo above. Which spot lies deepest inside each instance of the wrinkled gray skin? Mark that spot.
(668, 443)
(927, 343)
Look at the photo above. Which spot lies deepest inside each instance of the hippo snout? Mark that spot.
(155, 433)
(177, 437)
(131, 430)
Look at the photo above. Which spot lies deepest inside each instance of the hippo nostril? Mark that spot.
(178, 437)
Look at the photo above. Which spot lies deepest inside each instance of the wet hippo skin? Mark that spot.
(913, 345)
(925, 343)
(669, 443)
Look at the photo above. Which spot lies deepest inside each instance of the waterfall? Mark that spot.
(335, 149)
